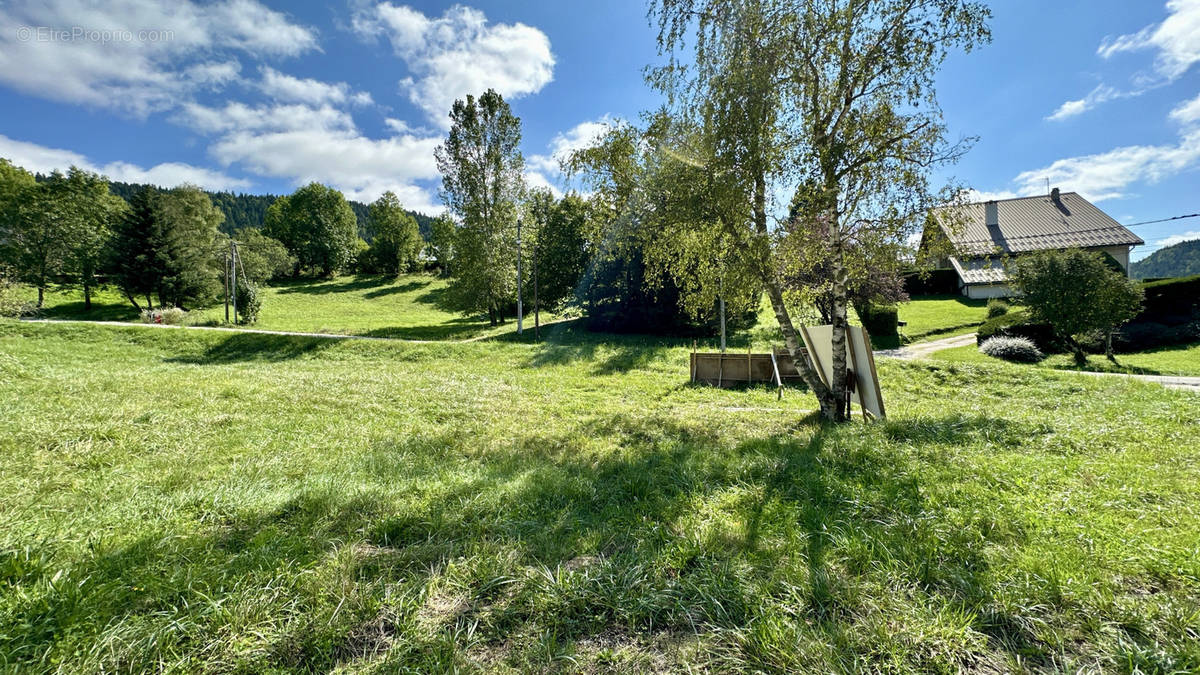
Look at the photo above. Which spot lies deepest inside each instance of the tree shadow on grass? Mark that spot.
(98, 312)
(453, 329)
(327, 286)
(570, 342)
(394, 289)
(251, 347)
(669, 528)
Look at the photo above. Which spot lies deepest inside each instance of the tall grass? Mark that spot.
(252, 503)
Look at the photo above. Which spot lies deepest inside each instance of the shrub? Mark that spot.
(932, 282)
(249, 302)
(1017, 349)
(996, 307)
(879, 320)
(1017, 325)
(12, 304)
(1171, 301)
(172, 316)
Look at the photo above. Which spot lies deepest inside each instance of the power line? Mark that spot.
(1164, 220)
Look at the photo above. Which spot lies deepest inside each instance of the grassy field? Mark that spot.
(938, 316)
(197, 501)
(1176, 360)
(411, 306)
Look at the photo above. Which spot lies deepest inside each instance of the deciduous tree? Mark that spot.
(1077, 293)
(397, 243)
(317, 225)
(482, 166)
(836, 96)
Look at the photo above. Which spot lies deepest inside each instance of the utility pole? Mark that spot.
(228, 266)
(537, 324)
(722, 301)
(519, 308)
(233, 266)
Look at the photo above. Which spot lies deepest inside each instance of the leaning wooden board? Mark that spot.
(860, 359)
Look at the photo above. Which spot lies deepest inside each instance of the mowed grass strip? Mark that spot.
(937, 316)
(411, 306)
(193, 501)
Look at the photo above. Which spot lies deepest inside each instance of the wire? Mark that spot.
(1164, 220)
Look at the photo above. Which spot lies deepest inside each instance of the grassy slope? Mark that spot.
(224, 502)
(939, 316)
(1176, 360)
(411, 306)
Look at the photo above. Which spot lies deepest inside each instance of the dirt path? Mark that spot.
(923, 350)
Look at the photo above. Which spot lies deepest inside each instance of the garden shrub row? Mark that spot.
(942, 281)
(879, 320)
(1017, 325)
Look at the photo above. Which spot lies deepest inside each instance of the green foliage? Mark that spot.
(133, 262)
(1171, 300)
(249, 302)
(996, 307)
(881, 321)
(1179, 260)
(397, 243)
(560, 247)
(187, 247)
(481, 167)
(262, 257)
(1076, 292)
(13, 302)
(441, 242)
(1019, 349)
(317, 226)
(56, 228)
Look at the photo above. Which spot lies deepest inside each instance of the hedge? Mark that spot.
(1171, 301)
(942, 281)
(879, 320)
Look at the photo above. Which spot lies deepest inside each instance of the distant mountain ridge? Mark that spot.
(1179, 260)
(246, 210)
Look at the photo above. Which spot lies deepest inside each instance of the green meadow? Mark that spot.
(197, 501)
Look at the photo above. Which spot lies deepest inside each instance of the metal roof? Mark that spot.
(1033, 224)
(980, 270)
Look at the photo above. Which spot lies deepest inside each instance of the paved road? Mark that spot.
(923, 350)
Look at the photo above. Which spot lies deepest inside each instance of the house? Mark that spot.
(984, 236)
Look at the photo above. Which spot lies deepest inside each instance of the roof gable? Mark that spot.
(1034, 224)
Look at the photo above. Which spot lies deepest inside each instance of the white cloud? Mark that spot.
(39, 158)
(1106, 175)
(1095, 97)
(1176, 39)
(303, 143)
(1187, 112)
(1178, 238)
(136, 56)
(974, 195)
(536, 180)
(284, 87)
(459, 53)
(563, 144)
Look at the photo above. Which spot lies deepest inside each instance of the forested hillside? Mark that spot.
(1180, 260)
(246, 210)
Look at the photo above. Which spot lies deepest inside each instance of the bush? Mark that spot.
(12, 304)
(172, 316)
(1016, 325)
(996, 307)
(932, 282)
(879, 320)
(1171, 301)
(1017, 349)
(249, 302)
(1142, 335)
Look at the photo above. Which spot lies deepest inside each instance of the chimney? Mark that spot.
(991, 216)
(1054, 196)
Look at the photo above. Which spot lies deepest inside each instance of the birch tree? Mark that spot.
(834, 96)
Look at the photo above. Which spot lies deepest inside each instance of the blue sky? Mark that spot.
(260, 96)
